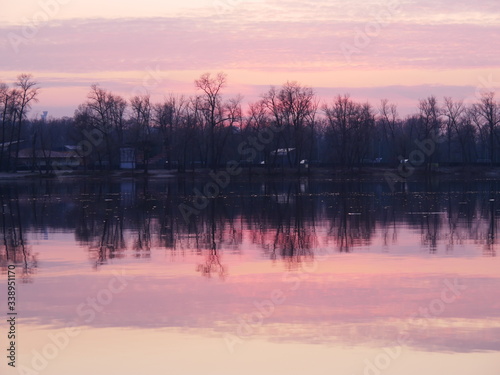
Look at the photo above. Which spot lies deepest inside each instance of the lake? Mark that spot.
(283, 276)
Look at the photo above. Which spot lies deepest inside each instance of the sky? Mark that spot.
(403, 50)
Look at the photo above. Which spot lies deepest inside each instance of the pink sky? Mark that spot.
(402, 50)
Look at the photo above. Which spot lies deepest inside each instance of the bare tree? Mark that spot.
(392, 128)
(299, 105)
(256, 120)
(8, 103)
(230, 126)
(142, 117)
(167, 116)
(117, 108)
(107, 111)
(341, 115)
(98, 105)
(85, 122)
(292, 108)
(350, 126)
(27, 92)
(430, 123)
(430, 116)
(454, 112)
(487, 118)
(467, 135)
(211, 87)
(195, 132)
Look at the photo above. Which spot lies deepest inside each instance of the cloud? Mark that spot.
(206, 43)
(333, 44)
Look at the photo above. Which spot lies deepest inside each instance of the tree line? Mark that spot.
(288, 125)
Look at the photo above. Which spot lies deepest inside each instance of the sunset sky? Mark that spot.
(402, 50)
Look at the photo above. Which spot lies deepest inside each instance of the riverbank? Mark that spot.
(372, 173)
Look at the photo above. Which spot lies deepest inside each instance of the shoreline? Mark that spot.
(339, 174)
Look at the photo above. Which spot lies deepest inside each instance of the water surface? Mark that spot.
(282, 276)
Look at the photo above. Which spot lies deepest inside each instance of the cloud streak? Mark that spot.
(261, 42)
(204, 43)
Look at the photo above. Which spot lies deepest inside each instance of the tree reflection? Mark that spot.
(16, 249)
(100, 224)
(294, 236)
(286, 219)
(212, 264)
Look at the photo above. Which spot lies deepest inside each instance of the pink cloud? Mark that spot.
(202, 43)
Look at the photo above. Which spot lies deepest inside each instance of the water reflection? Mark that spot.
(16, 248)
(286, 220)
(392, 256)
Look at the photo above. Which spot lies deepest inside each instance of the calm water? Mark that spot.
(281, 277)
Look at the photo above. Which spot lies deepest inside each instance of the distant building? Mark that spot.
(280, 157)
(282, 151)
(48, 159)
